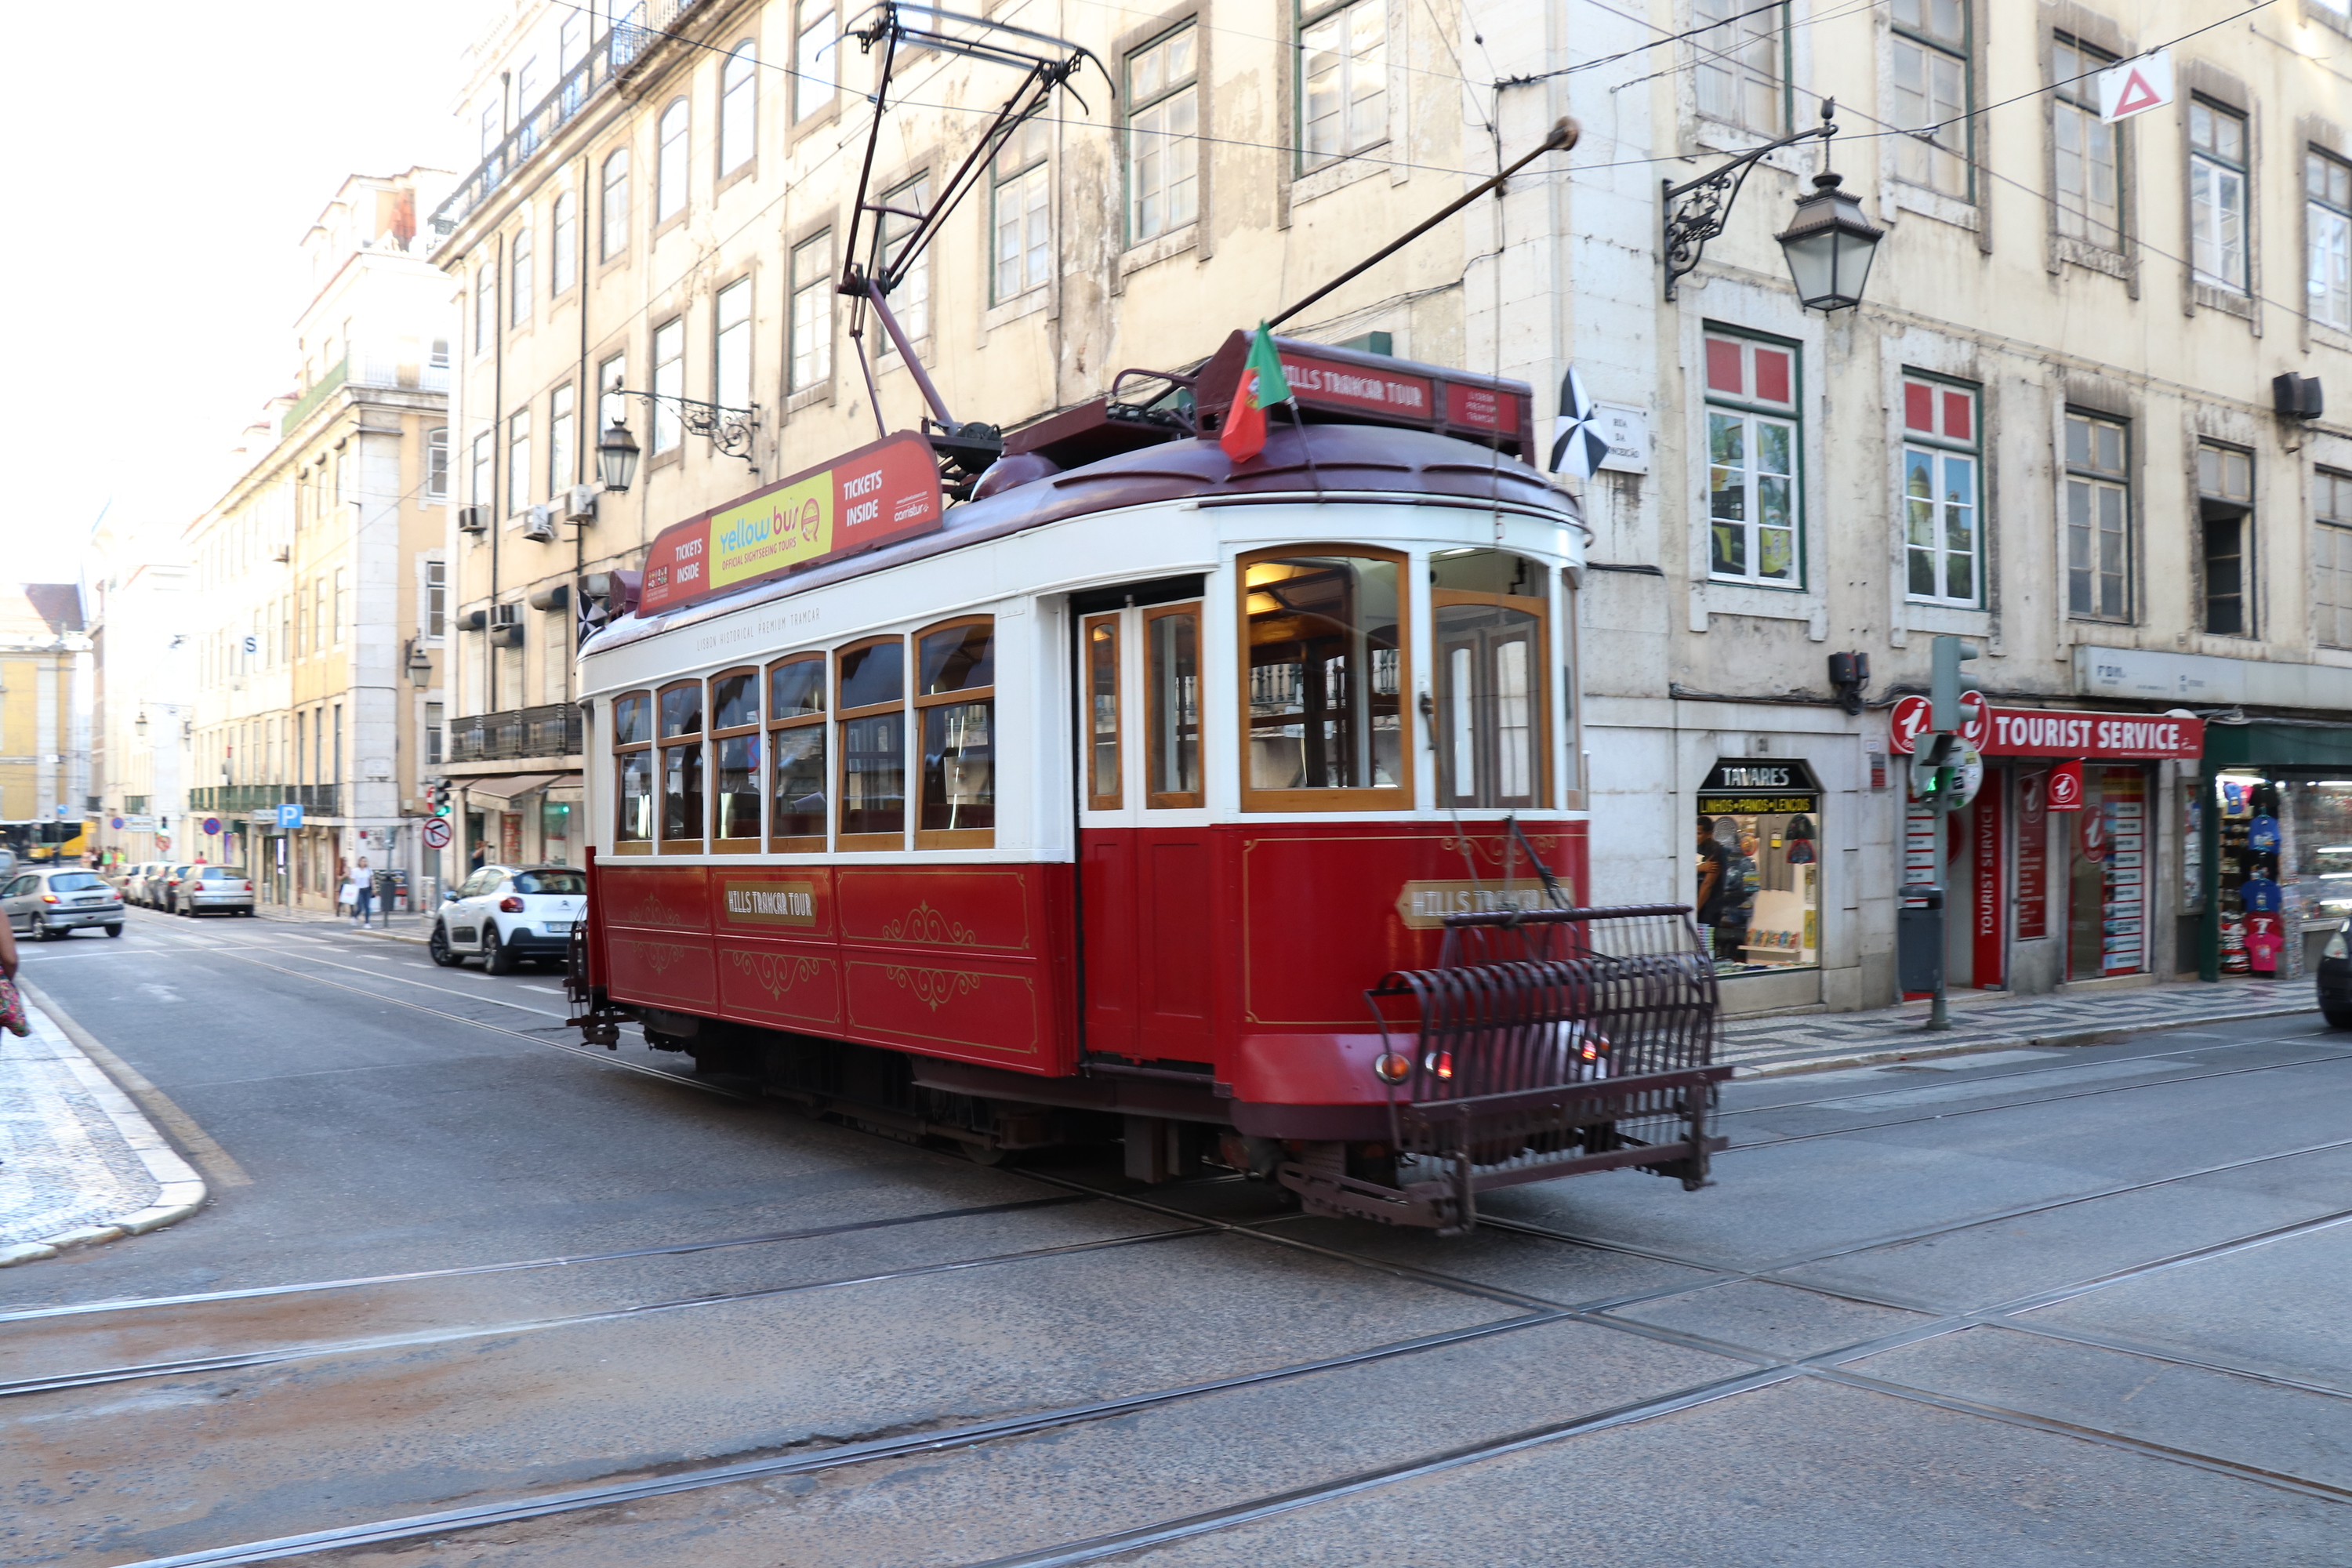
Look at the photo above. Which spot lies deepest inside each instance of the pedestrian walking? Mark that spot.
(363, 895)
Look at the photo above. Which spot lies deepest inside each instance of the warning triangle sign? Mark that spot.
(2136, 87)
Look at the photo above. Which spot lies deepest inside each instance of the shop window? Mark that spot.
(955, 705)
(2284, 864)
(1943, 533)
(2098, 520)
(796, 778)
(2225, 508)
(735, 763)
(1101, 637)
(1753, 518)
(1171, 636)
(681, 747)
(555, 832)
(2331, 558)
(1490, 615)
(870, 707)
(1323, 655)
(633, 764)
(1758, 887)
(2316, 848)
(2107, 929)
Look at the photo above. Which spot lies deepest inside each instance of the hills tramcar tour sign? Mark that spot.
(877, 495)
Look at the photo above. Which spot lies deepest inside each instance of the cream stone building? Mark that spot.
(662, 208)
(144, 615)
(320, 571)
(46, 685)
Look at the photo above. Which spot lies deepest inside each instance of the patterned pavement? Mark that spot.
(79, 1162)
(1820, 1039)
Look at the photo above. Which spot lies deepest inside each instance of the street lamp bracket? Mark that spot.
(729, 430)
(1697, 210)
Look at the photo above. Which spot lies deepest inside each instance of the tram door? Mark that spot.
(1143, 834)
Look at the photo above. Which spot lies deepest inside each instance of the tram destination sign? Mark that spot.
(1356, 385)
(877, 495)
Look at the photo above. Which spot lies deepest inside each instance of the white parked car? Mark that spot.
(222, 890)
(55, 903)
(510, 915)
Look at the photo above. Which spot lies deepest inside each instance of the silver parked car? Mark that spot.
(57, 902)
(218, 890)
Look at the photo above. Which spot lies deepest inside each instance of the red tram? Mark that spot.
(1114, 791)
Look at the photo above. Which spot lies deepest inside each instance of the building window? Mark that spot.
(1753, 508)
(738, 107)
(559, 454)
(2217, 194)
(319, 621)
(797, 771)
(436, 600)
(1323, 639)
(1343, 80)
(435, 734)
(518, 290)
(1019, 214)
(632, 766)
(2327, 184)
(1742, 65)
(670, 383)
(1932, 93)
(1490, 616)
(2089, 204)
(681, 768)
(343, 600)
(489, 132)
(1163, 120)
(486, 306)
(812, 321)
(611, 407)
(564, 244)
(613, 210)
(2225, 510)
(730, 346)
(1943, 533)
(669, 164)
(518, 461)
(440, 360)
(911, 300)
(436, 463)
(816, 63)
(2331, 558)
(735, 763)
(2098, 518)
(955, 707)
(480, 488)
(871, 706)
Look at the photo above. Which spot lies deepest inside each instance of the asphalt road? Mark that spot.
(468, 1294)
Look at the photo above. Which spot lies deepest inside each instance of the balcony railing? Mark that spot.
(315, 800)
(409, 375)
(553, 731)
(631, 35)
(320, 390)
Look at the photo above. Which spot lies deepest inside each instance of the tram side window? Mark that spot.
(681, 745)
(1171, 639)
(1490, 608)
(1323, 636)
(633, 761)
(796, 754)
(956, 698)
(870, 703)
(1102, 635)
(735, 763)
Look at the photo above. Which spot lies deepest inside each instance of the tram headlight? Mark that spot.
(1440, 1063)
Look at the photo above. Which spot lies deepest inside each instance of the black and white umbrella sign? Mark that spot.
(1577, 445)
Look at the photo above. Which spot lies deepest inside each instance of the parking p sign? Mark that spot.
(289, 814)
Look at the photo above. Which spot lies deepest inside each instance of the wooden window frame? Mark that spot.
(945, 837)
(713, 734)
(799, 843)
(1399, 796)
(1099, 798)
(837, 765)
(623, 749)
(664, 844)
(1173, 800)
(1539, 667)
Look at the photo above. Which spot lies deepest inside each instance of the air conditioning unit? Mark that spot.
(539, 525)
(473, 520)
(505, 615)
(283, 552)
(580, 503)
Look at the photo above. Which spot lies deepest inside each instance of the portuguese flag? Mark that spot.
(1262, 386)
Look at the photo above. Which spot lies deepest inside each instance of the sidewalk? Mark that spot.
(1988, 1022)
(82, 1163)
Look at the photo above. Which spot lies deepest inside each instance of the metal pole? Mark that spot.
(1937, 1017)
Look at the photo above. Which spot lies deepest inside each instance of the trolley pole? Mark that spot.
(1943, 752)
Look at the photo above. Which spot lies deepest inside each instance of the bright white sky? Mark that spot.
(167, 165)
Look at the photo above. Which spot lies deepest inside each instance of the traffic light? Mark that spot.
(1935, 771)
(1943, 684)
(440, 797)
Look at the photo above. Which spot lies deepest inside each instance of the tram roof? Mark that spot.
(1322, 461)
